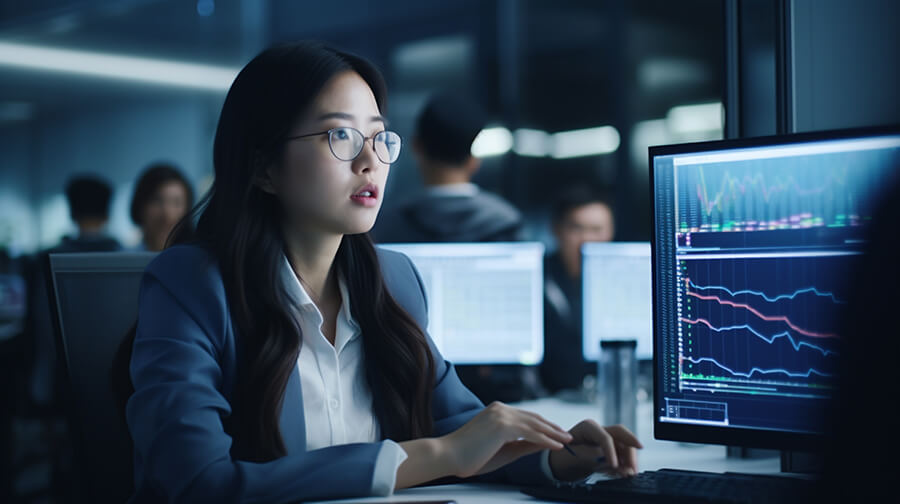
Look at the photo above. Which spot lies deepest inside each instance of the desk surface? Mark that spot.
(655, 455)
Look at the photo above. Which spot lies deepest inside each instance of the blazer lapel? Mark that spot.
(292, 422)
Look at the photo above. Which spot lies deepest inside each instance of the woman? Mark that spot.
(161, 199)
(281, 357)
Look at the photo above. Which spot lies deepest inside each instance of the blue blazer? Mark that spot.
(184, 366)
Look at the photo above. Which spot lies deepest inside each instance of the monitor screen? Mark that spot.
(485, 300)
(753, 243)
(615, 279)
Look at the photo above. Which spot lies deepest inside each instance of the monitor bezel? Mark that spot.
(732, 436)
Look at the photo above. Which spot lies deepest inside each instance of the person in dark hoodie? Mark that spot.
(451, 208)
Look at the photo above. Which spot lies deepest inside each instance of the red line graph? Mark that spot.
(769, 318)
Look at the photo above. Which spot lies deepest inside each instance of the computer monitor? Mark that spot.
(485, 300)
(753, 241)
(615, 279)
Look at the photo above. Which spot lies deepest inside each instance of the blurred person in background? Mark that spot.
(451, 208)
(579, 215)
(161, 198)
(89, 197)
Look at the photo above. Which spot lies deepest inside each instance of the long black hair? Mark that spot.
(240, 225)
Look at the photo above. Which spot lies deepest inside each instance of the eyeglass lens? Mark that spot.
(347, 143)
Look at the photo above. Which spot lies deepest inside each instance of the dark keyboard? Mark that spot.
(669, 485)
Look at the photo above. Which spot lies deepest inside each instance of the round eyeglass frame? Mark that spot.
(330, 133)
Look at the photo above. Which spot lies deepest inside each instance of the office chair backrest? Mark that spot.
(94, 299)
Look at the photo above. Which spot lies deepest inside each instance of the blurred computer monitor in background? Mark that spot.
(616, 285)
(485, 300)
(12, 305)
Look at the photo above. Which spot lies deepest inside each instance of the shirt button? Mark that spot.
(333, 403)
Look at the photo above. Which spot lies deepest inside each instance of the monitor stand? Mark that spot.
(791, 461)
(742, 452)
(801, 462)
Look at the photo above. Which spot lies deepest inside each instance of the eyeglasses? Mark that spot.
(347, 143)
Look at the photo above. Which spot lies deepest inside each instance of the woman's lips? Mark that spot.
(367, 196)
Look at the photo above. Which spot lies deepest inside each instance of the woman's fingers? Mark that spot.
(628, 457)
(626, 448)
(548, 430)
(624, 436)
(501, 433)
(543, 420)
(590, 432)
(601, 438)
(520, 423)
(541, 439)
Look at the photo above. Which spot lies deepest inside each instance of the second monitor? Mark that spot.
(616, 283)
(485, 300)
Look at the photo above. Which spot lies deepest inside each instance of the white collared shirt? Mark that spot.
(337, 402)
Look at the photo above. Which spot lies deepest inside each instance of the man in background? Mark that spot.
(89, 199)
(451, 208)
(579, 216)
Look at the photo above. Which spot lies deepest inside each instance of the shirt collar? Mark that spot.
(346, 315)
(292, 284)
(300, 298)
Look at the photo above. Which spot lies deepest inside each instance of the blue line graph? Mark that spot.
(814, 290)
(794, 343)
(758, 370)
(761, 319)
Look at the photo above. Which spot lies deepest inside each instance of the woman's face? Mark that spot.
(319, 192)
(163, 211)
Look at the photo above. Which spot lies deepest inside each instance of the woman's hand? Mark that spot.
(498, 435)
(612, 450)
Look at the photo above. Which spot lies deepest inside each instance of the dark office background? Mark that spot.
(550, 66)
(633, 73)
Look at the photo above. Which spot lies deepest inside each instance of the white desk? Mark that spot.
(655, 455)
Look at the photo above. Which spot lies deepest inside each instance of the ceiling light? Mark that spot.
(531, 142)
(492, 142)
(121, 67)
(585, 142)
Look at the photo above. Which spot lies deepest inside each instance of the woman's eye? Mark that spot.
(341, 134)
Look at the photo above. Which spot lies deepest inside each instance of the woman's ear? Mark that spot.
(263, 180)
(262, 175)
